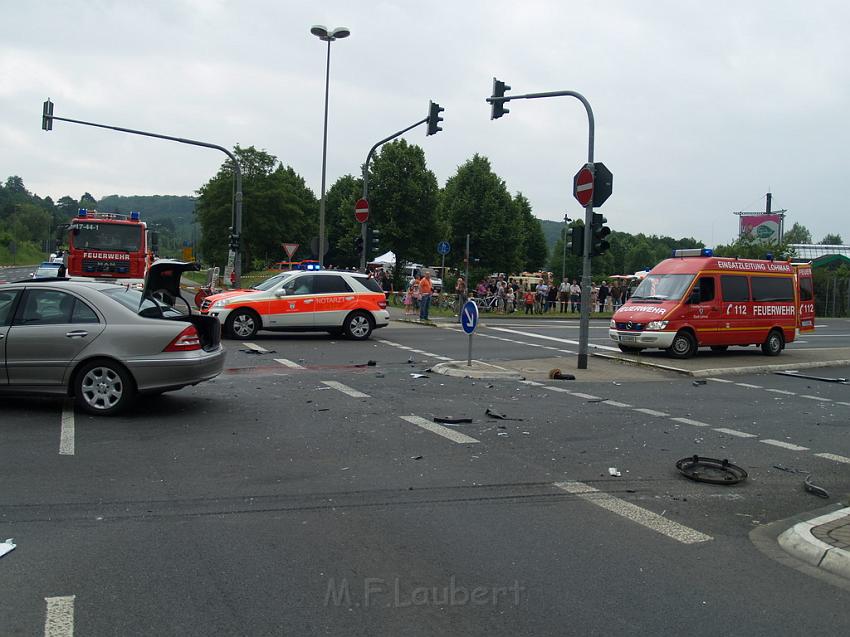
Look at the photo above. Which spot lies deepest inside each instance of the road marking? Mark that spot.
(750, 386)
(784, 445)
(614, 403)
(650, 412)
(59, 617)
(532, 383)
(288, 363)
(585, 396)
(560, 389)
(445, 432)
(551, 338)
(838, 402)
(255, 347)
(782, 391)
(345, 389)
(835, 457)
(720, 380)
(820, 398)
(735, 432)
(632, 512)
(689, 421)
(410, 349)
(66, 432)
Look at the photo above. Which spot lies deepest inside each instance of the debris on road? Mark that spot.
(556, 374)
(502, 433)
(711, 470)
(7, 546)
(814, 489)
(419, 375)
(499, 415)
(596, 400)
(613, 471)
(416, 457)
(379, 374)
(257, 352)
(369, 363)
(699, 382)
(793, 373)
(448, 420)
(789, 469)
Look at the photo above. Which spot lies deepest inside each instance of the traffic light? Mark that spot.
(434, 118)
(577, 241)
(598, 235)
(358, 245)
(234, 243)
(374, 240)
(47, 116)
(497, 109)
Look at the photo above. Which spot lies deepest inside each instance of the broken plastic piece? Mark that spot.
(502, 433)
(699, 382)
(419, 376)
(711, 470)
(416, 457)
(814, 489)
(451, 421)
(826, 379)
(613, 471)
(498, 415)
(7, 546)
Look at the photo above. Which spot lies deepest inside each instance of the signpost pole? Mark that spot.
(469, 354)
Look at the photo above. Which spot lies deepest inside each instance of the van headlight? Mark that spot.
(656, 325)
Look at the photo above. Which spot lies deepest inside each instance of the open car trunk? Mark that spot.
(209, 328)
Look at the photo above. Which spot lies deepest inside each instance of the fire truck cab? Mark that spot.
(698, 300)
(108, 245)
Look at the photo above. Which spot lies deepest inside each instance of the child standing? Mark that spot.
(529, 301)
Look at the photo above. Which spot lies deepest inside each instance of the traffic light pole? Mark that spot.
(584, 323)
(237, 207)
(364, 225)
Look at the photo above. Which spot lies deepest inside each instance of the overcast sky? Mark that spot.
(700, 107)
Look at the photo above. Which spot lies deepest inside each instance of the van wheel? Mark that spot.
(719, 348)
(774, 343)
(684, 345)
(358, 326)
(628, 350)
(242, 324)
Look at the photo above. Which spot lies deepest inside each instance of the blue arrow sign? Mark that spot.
(469, 317)
(443, 248)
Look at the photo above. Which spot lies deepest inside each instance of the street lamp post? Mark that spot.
(564, 257)
(323, 34)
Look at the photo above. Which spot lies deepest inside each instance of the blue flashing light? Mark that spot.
(135, 216)
(82, 213)
(707, 252)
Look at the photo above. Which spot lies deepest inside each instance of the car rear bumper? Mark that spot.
(188, 368)
(642, 339)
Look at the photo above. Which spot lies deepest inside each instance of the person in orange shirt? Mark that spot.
(425, 289)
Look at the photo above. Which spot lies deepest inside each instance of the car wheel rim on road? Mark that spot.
(359, 326)
(243, 325)
(102, 388)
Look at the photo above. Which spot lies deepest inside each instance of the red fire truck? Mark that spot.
(108, 245)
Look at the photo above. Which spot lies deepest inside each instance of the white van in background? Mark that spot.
(412, 269)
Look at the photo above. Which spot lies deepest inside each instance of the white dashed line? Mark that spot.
(632, 512)
(614, 403)
(532, 383)
(552, 338)
(689, 421)
(735, 432)
(288, 363)
(66, 432)
(255, 347)
(445, 432)
(781, 391)
(835, 457)
(720, 380)
(784, 445)
(650, 412)
(585, 396)
(820, 398)
(749, 386)
(345, 389)
(559, 390)
(842, 403)
(59, 617)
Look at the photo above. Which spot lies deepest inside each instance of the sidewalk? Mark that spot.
(822, 542)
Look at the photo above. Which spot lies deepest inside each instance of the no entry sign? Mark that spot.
(361, 210)
(583, 186)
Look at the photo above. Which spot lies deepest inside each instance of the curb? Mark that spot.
(802, 544)
(459, 369)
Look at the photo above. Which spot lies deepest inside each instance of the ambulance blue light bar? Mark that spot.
(693, 252)
(82, 213)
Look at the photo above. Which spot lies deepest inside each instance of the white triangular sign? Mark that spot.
(290, 249)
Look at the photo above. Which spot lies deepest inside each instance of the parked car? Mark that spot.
(49, 270)
(341, 303)
(103, 343)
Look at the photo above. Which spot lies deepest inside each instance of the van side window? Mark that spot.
(706, 289)
(771, 288)
(734, 288)
(806, 291)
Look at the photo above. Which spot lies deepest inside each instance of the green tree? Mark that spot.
(342, 227)
(831, 240)
(476, 201)
(533, 249)
(88, 202)
(749, 248)
(403, 197)
(798, 233)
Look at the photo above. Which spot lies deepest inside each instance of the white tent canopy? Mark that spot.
(388, 258)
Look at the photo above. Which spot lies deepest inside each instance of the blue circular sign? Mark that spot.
(443, 248)
(469, 317)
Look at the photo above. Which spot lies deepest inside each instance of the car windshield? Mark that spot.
(135, 301)
(662, 287)
(107, 236)
(268, 284)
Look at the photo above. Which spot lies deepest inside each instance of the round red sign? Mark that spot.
(361, 210)
(583, 186)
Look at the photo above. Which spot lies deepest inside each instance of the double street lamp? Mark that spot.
(323, 34)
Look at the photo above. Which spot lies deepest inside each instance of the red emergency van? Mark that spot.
(698, 300)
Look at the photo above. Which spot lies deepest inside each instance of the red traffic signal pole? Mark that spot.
(584, 323)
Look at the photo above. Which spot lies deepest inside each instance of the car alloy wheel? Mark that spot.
(103, 388)
(243, 325)
(358, 326)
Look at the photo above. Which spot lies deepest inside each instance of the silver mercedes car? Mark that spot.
(104, 343)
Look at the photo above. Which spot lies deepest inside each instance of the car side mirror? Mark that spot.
(280, 292)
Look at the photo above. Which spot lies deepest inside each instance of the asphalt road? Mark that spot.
(305, 492)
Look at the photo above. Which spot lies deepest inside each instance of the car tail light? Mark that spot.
(186, 341)
(382, 304)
